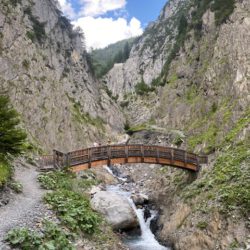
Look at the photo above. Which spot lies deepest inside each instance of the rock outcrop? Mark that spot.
(149, 53)
(116, 210)
(44, 69)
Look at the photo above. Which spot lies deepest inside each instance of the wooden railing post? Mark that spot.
(54, 158)
(67, 161)
(109, 155)
(142, 153)
(89, 157)
(185, 159)
(172, 156)
(197, 163)
(126, 154)
(157, 154)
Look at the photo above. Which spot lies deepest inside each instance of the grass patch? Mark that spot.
(228, 182)
(239, 126)
(232, 177)
(137, 128)
(208, 137)
(202, 225)
(84, 117)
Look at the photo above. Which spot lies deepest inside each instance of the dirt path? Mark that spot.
(25, 209)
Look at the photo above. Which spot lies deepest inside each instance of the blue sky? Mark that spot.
(108, 21)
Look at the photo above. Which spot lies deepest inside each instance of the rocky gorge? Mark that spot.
(185, 84)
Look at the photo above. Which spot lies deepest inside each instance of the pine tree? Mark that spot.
(12, 138)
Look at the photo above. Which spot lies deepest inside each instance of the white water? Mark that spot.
(111, 172)
(146, 241)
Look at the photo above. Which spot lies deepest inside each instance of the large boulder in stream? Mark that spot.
(116, 209)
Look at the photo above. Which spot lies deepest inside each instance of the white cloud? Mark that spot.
(100, 32)
(67, 8)
(99, 7)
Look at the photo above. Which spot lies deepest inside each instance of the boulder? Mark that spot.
(139, 199)
(116, 209)
(103, 175)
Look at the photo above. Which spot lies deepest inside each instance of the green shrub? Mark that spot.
(31, 35)
(223, 9)
(72, 208)
(142, 88)
(16, 186)
(38, 33)
(56, 180)
(202, 225)
(15, 2)
(65, 180)
(124, 104)
(26, 64)
(74, 211)
(52, 237)
(24, 238)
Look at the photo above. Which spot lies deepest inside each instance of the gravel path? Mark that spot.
(25, 209)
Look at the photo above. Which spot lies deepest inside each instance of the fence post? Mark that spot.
(89, 157)
(54, 158)
(185, 159)
(197, 163)
(126, 153)
(172, 156)
(67, 162)
(109, 154)
(142, 153)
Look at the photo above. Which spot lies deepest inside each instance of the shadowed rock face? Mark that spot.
(44, 70)
(116, 209)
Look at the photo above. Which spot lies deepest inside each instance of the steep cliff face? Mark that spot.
(44, 70)
(148, 54)
(201, 90)
(206, 80)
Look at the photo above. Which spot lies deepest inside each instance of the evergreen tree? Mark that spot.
(12, 138)
(126, 51)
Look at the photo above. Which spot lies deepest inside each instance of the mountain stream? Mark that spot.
(146, 240)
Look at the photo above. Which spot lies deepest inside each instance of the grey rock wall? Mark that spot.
(50, 82)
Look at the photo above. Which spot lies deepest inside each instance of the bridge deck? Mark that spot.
(122, 154)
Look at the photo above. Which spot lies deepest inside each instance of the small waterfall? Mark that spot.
(111, 172)
(146, 241)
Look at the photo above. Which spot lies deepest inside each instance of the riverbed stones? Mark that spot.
(139, 199)
(116, 209)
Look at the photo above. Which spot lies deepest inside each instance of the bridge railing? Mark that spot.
(125, 151)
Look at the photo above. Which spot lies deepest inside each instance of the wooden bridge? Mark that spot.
(122, 154)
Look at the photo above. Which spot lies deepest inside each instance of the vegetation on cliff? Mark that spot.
(104, 59)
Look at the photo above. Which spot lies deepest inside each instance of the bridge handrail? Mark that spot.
(108, 152)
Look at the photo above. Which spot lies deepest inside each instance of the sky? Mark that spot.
(108, 21)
